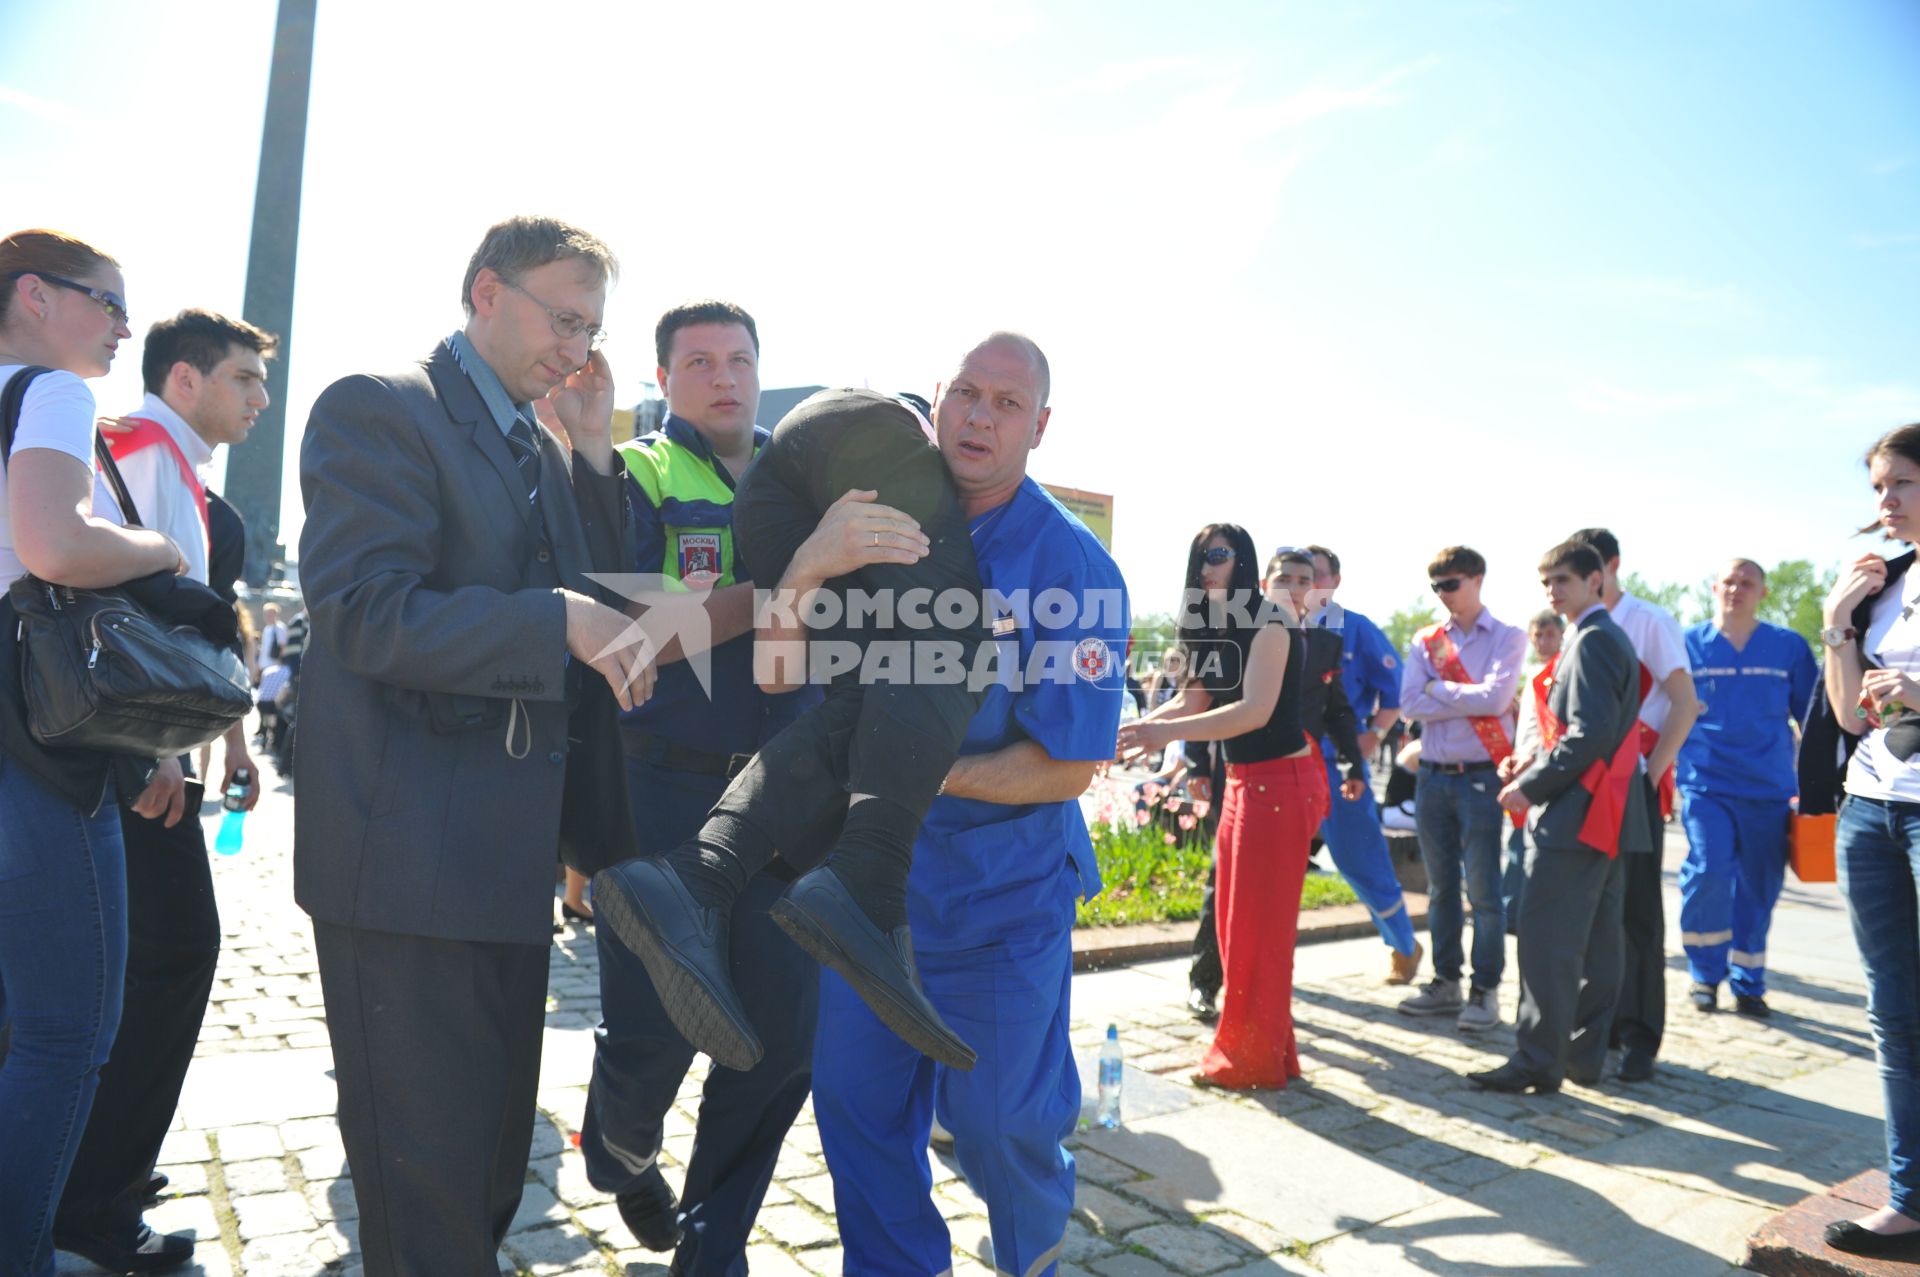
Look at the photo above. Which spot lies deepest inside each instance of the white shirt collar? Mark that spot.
(197, 451)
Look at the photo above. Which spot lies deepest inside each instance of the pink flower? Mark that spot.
(1142, 817)
(1169, 839)
(1188, 822)
(1151, 790)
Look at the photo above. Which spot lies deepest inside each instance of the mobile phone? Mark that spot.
(196, 794)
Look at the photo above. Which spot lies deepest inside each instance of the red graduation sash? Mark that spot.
(1649, 740)
(1445, 659)
(146, 433)
(1608, 781)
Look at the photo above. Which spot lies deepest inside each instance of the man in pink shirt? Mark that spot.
(1458, 683)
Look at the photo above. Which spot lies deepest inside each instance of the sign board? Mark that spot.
(1095, 509)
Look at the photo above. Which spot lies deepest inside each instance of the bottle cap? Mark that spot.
(1113, 1033)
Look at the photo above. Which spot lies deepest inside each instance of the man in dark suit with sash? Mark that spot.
(457, 731)
(1592, 808)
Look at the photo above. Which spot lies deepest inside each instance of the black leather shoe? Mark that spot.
(1513, 1079)
(156, 1185)
(141, 1251)
(684, 949)
(651, 1213)
(1848, 1236)
(1706, 997)
(1752, 1004)
(1636, 1065)
(820, 915)
(1203, 1005)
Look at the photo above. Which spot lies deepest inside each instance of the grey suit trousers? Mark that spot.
(436, 1049)
(1570, 961)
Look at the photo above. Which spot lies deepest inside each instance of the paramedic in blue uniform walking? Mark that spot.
(1351, 831)
(1000, 861)
(1735, 776)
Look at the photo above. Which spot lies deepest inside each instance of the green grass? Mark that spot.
(1151, 880)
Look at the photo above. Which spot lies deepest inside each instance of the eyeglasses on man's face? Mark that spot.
(1445, 584)
(566, 324)
(1215, 555)
(113, 303)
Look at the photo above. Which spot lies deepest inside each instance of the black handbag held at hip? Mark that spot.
(147, 667)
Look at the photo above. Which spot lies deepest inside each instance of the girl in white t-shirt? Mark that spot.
(63, 909)
(1872, 676)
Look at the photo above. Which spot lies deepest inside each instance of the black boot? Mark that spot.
(650, 1212)
(823, 918)
(138, 1250)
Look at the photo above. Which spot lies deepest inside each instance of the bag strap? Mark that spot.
(111, 469)
(14, 398)
(10, 405)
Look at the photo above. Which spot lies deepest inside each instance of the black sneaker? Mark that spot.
(1752, 1004)
(651, 1212)
(1706, 997)
(140, 1251)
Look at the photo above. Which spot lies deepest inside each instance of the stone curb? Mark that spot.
(1098, 947)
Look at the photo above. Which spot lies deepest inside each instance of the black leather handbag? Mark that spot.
(100, 670)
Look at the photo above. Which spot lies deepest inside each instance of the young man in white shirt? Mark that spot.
(1666, 716)
(205, 376)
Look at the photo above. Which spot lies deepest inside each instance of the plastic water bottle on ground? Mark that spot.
(233, 824)
(1108, 1114)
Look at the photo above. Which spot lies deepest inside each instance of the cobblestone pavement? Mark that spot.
(1381, 1161)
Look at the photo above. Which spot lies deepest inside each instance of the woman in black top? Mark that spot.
(1245, 678)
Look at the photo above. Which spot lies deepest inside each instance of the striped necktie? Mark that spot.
(526, 454)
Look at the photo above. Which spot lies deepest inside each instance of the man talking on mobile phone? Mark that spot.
(457, 732)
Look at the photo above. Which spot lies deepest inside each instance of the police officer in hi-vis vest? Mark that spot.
(682, 746)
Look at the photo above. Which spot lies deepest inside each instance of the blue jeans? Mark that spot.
(1460, 820)
(1359, 850)
(1878, 848)
(63, 957)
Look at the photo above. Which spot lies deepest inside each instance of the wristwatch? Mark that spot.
(1836, 635)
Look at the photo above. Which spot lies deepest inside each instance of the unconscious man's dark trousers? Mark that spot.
(173, 946)
(898, 737)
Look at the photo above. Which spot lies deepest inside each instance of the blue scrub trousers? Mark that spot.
(875, 1096)
(640, 1059)
(1736, 863)
(1354, 839)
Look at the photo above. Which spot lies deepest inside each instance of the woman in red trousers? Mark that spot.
(1245, 671)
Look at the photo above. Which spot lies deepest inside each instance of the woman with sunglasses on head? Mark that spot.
(1872, 693)
(1246, 675)
(63, 921)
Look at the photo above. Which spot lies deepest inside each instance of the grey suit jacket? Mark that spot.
(1596, 693)
(430, 590)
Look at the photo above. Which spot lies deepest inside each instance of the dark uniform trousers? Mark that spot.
(640, 1059)
(1640, 1019)
(173, 946)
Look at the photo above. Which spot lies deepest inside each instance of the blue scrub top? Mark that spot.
(985, 872)
(1370, 668)
(1741, 746)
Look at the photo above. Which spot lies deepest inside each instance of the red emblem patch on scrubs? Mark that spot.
(1092, 659)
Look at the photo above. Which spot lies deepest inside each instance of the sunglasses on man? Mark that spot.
(1445, 584)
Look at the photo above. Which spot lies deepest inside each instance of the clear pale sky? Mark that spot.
(1387, 276)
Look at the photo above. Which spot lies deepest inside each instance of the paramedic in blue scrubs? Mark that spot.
(1735, 777)
(1351, 831)
(1000, 861)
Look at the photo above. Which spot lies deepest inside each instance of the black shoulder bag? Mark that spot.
(110, 670)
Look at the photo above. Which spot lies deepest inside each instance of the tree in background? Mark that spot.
(1407, 622)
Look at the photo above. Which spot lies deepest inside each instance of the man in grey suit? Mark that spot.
(457, 731)
(1594, 809)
